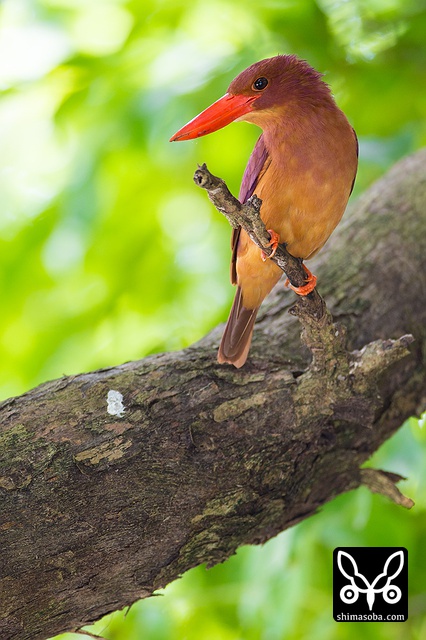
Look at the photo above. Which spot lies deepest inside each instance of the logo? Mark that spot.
(370, 584)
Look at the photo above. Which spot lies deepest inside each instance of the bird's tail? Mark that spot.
(236, 338)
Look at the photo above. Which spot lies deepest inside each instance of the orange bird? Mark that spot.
(302, 167)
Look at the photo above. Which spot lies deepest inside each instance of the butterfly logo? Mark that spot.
(391, 593)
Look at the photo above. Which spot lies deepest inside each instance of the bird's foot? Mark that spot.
(274, 242)
(304, 290)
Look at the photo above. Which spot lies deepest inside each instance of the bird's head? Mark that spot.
(259, 94)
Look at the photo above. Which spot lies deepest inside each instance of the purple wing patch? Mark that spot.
(254, 167)
(256, 164)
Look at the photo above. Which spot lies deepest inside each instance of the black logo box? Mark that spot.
(370, 584)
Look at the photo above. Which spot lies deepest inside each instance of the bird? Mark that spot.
(303, 168)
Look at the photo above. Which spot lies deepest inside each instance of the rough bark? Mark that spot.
(98, 510)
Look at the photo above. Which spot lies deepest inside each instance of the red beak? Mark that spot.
(218, 115)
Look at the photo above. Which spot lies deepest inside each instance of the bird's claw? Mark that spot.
(304, 290)
(274, 242)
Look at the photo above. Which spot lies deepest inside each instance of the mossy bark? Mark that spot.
(98, 510)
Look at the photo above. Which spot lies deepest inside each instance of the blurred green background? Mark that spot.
(108, 252)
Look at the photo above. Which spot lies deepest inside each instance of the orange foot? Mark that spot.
(311, 282)
(275, 240)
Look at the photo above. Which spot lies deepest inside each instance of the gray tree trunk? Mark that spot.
(98, 510)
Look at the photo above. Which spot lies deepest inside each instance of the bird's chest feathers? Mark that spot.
(304, 190)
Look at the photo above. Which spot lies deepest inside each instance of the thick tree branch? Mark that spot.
(104, 500)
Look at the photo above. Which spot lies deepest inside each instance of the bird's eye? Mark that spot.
(260, 84)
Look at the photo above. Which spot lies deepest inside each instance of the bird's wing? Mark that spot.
(256, 166)
(357, 155)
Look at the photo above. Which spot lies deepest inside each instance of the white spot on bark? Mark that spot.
(115, 403)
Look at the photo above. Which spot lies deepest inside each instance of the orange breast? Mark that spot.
(304, 194)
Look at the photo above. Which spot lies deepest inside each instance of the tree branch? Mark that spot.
(384, 483)
(247, 216)
(106, 497)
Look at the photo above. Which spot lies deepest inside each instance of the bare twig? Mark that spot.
(247, 216)
(384, 482)
(325, 339)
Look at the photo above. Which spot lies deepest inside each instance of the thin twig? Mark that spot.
(325, 339)
(384, 482)
(247, 216)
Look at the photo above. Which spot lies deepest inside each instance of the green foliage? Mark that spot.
(108, 252)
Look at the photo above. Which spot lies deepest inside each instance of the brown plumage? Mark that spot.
(303, 168)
